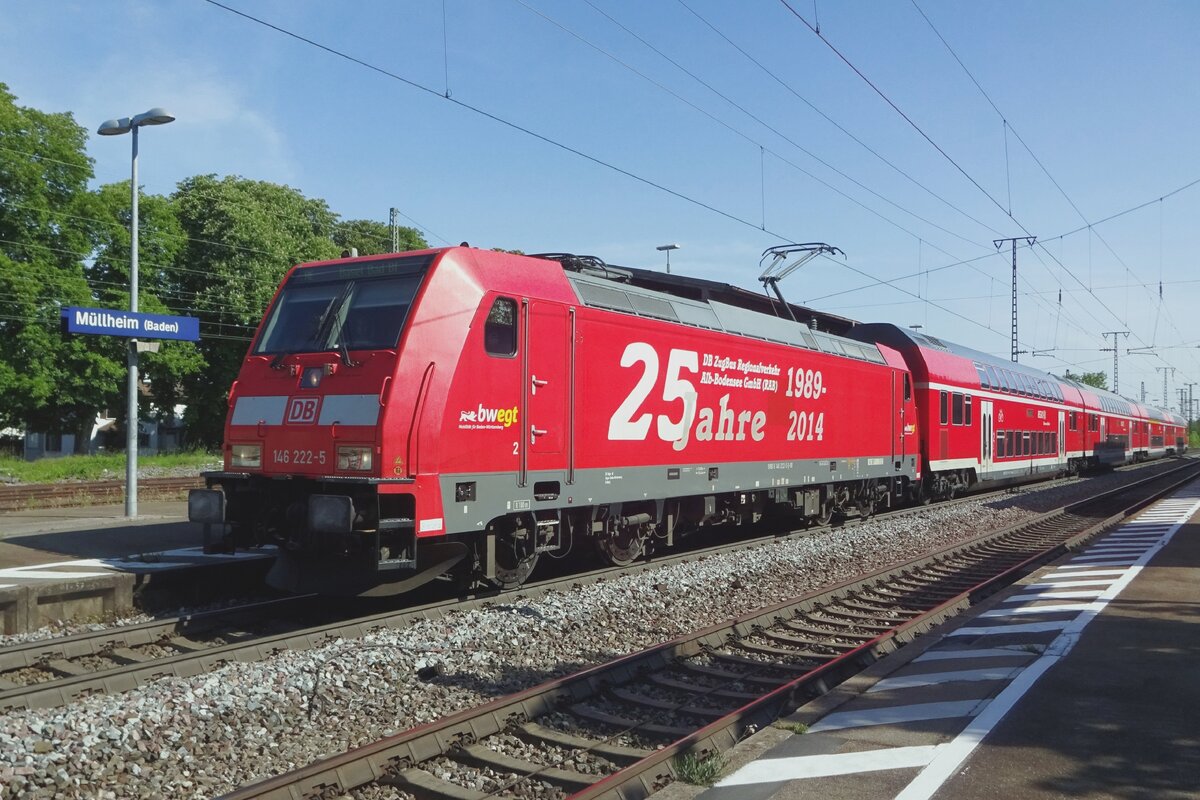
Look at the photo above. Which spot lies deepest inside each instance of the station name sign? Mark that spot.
(133, 324)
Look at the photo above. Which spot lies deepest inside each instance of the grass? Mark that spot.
(798, 728)
(99, 467)
(699, 770)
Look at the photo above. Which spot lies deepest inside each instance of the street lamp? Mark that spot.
(667, 248)
(116, 127)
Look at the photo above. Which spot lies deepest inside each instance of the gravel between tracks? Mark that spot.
(205, 735)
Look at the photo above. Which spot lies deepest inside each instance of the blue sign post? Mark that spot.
(131, 324)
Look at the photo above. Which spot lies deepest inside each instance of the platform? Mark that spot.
(89, 561)
(1078, 682)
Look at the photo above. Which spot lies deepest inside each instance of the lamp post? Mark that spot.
(116, 127)
(667, 248)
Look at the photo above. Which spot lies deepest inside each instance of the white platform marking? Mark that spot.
(893, 715)
(165, 560)
(1057, 608)
(994, 630)
(975, 652)
(771, 770)
(1114, 573)
(1034, 597)
(1068, 584)
(935, 678)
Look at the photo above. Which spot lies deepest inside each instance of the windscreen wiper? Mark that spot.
(325, 332)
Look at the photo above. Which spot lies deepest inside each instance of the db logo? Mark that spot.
(302, 410)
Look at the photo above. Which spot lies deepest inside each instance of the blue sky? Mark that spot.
(1090, 110)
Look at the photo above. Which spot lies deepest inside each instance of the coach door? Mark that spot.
(548, 369)
(1062, 436)
(987, 436)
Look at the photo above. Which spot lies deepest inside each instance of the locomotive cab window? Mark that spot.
(907, 388)
(500, 330)
(346, 307)
(958, 408)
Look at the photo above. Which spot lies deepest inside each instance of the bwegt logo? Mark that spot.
(493, 416)
(302, 410)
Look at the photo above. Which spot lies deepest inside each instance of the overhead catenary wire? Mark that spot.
(951, 160)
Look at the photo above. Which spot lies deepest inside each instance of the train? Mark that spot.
(459, 412)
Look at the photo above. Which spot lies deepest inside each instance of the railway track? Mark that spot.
(55, 672)
(619, 729)
(38, 495)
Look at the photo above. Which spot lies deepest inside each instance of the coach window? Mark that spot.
(1074, 417)
(983, 378)
(967, 412)
(944, 416)
(1014, 443)
(958, 409)
(907, 387)
(1026, 446)
(500, 330)
(999, 444)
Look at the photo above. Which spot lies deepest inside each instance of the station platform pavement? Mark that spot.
(88, 561)
(1082, 681)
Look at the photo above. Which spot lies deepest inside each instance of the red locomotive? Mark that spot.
(462, 411)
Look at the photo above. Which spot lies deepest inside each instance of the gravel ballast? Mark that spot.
(202, 736)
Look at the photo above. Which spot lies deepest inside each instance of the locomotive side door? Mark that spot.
(987, 437)
(547, 381)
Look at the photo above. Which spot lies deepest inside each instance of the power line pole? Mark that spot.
(1191, 404)
(394, 230)
(1029, 240)
(1115, 349)
(1143, 392)
(1164, 371)
(1182, 400)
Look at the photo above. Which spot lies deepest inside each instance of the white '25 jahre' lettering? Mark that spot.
(722, 423)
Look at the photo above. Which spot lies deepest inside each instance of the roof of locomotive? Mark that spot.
(712, 305)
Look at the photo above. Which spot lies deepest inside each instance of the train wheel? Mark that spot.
(623, 545)
(826, 515)
(516, 555)
(513, 566)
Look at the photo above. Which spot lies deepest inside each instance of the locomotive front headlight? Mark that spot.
(354, 457)
(248, 456)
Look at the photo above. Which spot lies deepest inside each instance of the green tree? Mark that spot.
(48, 381)
(161, 242)
(371, 238)
(1097, 379)
(243, 235)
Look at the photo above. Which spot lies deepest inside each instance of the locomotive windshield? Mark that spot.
(345, 307)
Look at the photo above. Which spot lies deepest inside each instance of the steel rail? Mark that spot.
(129, 671)
(20, 497)
(1016, 550)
